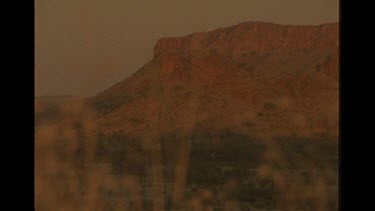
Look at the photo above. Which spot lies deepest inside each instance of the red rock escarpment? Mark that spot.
(247, 39)
(281, 78)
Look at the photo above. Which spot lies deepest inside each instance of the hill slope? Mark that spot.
(253, 77)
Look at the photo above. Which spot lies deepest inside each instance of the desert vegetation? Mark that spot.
(226, 171)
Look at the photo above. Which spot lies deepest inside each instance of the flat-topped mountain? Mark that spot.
(253, 77)
(246, 39)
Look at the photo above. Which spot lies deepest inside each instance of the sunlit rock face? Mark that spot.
(248, 39)
(231, 72)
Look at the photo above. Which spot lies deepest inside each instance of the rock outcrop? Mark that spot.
(252, 77)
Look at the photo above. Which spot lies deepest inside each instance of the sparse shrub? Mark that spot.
(248, 123)
(269, 106)
(135, 121)
(177, 88)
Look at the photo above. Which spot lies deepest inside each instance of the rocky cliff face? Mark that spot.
(242, 41)
(253, 77)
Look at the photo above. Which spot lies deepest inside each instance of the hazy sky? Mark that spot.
(84, 46)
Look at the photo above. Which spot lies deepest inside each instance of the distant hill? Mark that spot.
(253, 77)
(48, 109)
